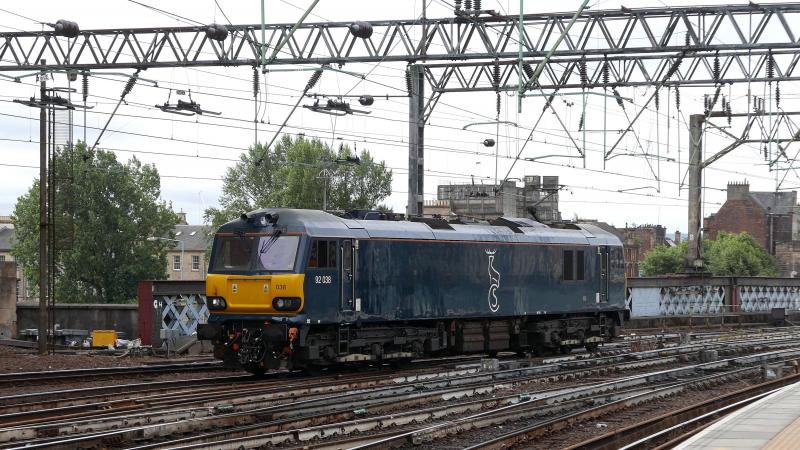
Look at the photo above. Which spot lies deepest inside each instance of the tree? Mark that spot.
(740, 255)
(297, 173)
(663, 260)
(105, 211)
(729, 254)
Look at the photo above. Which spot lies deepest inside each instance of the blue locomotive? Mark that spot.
(304, 288)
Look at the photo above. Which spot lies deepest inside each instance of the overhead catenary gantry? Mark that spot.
(467, 52)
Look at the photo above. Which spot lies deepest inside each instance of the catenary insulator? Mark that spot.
(129, 85)
(496, 74)
(657, 99)
(477, 4)
(618, 97)
(313, 80)
(582, 72)
(468, 5)
(528, 70)
(85, 85)
(580, 122)
(677, 98)
(687, 39)
(361, 29)
(606, 70)
(67, 28)
(770, 65)
(457, 6)
(255, 81)
(217, 32)
(408, 81)
(777, 95)
(497, 105)
(716, 67)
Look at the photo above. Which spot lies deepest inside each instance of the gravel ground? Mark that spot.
(586, 430)
(24, 360)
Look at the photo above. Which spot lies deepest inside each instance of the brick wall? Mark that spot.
(736, 216)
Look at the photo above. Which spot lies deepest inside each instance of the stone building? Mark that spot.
(186, 256)
(489, 201)
(769, 217)
(638, 240)
(7, 237)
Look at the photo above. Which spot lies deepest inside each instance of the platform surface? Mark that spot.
(772, 423)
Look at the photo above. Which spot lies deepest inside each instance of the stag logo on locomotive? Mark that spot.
(494, 282)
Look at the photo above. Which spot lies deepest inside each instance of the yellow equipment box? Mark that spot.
(104, 338)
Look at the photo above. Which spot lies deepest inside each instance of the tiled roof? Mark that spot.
(775, 202)
(194, 237)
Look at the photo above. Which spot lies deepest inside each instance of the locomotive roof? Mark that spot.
(323, 224)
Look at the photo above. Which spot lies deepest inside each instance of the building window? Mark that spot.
(195, 263)
(2, 258)
(176, 263)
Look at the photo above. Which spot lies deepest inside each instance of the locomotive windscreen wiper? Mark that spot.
(265, 246)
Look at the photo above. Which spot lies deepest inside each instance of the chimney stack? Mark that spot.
(677, 237)
(182, 218)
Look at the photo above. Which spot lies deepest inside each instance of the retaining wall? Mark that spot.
(84, 316)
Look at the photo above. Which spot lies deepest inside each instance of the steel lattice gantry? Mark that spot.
(639, 45)
(470, 51)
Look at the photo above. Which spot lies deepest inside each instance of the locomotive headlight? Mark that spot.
(216, 303)
(286, 304)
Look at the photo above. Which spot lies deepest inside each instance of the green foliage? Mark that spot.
(739, 255)
(664, 260)
(104, 213)
(294, 174)
(729, 255)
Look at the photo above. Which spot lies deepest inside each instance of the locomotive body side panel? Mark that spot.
(412, 280)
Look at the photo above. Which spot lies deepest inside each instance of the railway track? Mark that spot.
(261, 412)
(668, 430)
(19, 378)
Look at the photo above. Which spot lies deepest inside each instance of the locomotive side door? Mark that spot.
(603, 268)
(347, 271)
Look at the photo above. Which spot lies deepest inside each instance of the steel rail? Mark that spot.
(334, 404)
(61, 375)
(684, 422)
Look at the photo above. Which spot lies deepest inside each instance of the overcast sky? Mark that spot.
(204, 147)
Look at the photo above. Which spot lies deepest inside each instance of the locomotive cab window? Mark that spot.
(568, 265)
(247, 254)
(574, 265)
(322, 255)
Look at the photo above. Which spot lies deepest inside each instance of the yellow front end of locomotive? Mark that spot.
(256, 294)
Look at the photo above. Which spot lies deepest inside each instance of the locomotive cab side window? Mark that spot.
(322, 255)
(568, 266)
(574, 265)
